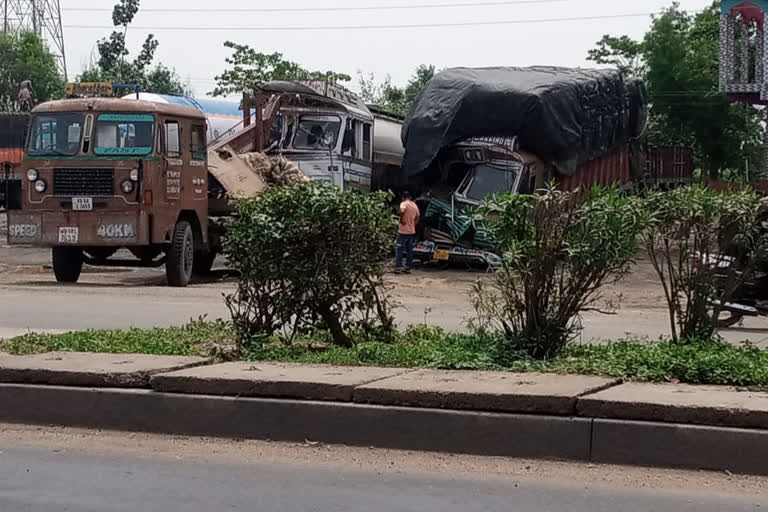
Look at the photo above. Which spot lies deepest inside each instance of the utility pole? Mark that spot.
(42, 17)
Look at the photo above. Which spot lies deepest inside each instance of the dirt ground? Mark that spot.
(20, 266)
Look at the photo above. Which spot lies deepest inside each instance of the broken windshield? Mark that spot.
(317, 132)
(489, 180)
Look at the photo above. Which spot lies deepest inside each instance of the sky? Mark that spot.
(478, 33)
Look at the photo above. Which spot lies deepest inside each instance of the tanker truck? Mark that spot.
(104, 173)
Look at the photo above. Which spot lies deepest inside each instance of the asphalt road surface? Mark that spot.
(44, 473)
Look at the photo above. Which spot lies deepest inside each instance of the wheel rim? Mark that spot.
(188, 254)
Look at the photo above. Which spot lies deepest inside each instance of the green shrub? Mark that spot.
(690, 228)
(310, 255)
(558, 249)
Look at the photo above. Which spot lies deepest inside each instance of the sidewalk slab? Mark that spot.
(90, 369)
(679, 403)
(486, 391)
(308, 382)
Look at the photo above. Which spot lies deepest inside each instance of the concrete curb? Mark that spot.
(480, 433)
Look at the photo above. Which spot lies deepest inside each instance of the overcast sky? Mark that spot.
(198, 55)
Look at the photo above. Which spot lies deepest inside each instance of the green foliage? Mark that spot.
(26, 57)
(678, 60)
(623, 53)
(558, 249)
(705, 362)
(249, 67)
(113, 64)
(310, 255)
(195, 338)
(397, 100)
(691, 225)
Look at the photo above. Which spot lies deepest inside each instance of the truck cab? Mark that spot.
(100, 174)
(323, 128)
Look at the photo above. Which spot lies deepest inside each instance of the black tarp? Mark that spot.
(564, 116)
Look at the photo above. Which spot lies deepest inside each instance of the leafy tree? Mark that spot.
(678, 60)
(390, 97)
(623, 53)
(25, 57)
(250, 67)
(113, 63)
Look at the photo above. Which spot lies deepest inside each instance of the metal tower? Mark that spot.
(40, 16)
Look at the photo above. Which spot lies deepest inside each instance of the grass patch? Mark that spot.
(196, 338)
(702, 362)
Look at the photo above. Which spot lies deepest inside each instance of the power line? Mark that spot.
(373, 27)
(330, 9)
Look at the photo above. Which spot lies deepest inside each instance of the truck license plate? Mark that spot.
(442, 254)
(69, 235)
(82, 204)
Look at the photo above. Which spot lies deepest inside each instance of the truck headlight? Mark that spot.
(134, 175)
(40, 186)
(32, 175)
(127, 186)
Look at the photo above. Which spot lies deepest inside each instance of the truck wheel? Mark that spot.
(203, 263)
(181, 255)
(67, 264)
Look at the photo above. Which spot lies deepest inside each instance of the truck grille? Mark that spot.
(83, 182)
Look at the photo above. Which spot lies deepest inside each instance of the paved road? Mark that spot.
(53, 476)
(42, 306)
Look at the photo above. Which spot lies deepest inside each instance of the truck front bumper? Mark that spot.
(94, 228)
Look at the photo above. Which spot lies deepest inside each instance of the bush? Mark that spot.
(688, 232)
(558, 249)
(310, 255)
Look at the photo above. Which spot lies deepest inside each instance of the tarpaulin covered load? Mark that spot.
(564, 116)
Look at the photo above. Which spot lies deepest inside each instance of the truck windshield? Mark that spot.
(491, 180)
(55, 134)
(317, 132)
(124, 134)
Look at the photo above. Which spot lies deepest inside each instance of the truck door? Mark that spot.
(173, 161)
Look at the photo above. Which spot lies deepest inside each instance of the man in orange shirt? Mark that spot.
(406, 233)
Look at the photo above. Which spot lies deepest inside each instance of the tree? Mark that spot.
(623, 53)
(249, 67)
(113, 64)
(390, 97)
(26, 57)
(678, 60)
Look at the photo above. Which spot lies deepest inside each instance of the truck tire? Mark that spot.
(203, 263)
(181, 255)
(67, 264)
